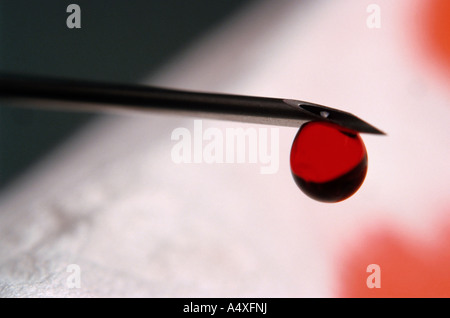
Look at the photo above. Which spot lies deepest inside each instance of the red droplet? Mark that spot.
(328, 162)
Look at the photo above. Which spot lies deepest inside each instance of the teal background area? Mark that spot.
(119, 41)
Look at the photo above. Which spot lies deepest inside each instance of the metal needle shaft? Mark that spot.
(99, 97)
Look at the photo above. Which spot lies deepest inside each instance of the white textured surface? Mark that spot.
(112, 201)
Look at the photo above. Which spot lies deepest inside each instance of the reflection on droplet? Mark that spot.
(324, 114)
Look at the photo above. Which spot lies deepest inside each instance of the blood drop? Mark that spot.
(328, 162)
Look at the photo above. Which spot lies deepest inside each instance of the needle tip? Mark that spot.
(336, 116)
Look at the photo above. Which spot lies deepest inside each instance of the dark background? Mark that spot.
(119, 41)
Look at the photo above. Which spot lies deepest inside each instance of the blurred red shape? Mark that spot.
(436, 15)
(408, 269)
